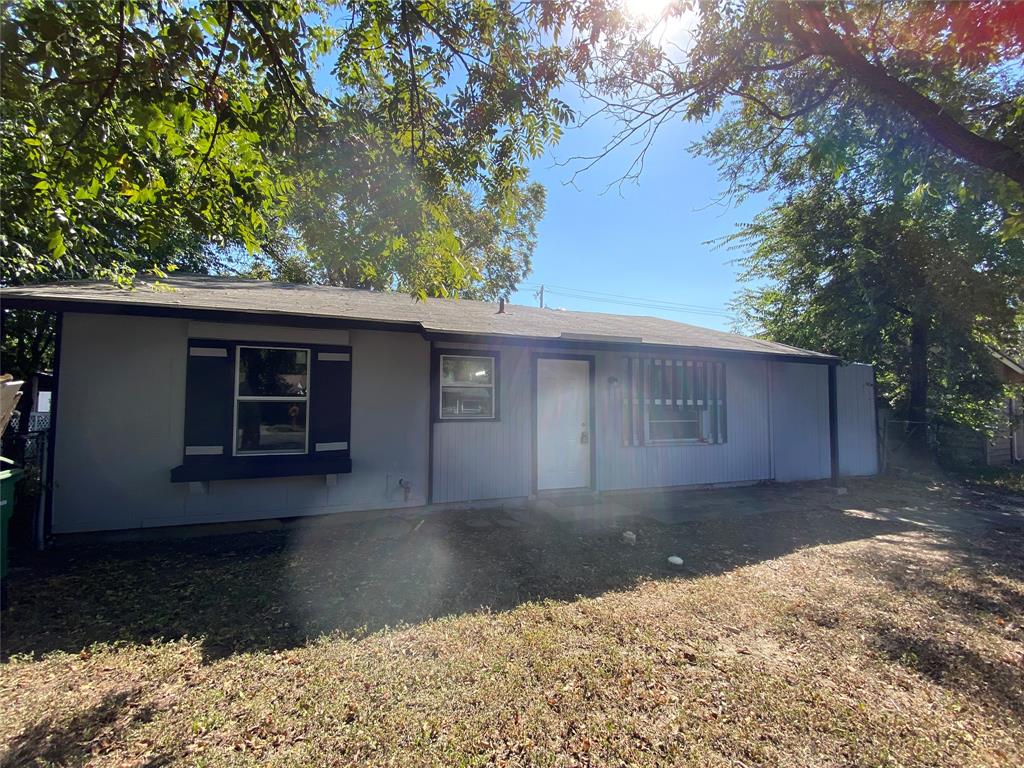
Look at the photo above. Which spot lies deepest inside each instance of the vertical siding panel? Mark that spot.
(489, 460)
(744, 457)
(800, 420)
(858, 432)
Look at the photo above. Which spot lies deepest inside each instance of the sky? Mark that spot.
(643, 242)
(646, 240)
(649, 241)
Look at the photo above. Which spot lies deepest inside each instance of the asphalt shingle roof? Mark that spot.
(268, 300)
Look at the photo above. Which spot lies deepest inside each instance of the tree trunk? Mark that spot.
(918, 384)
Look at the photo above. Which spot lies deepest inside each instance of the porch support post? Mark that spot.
(51, 437)
(833, 423)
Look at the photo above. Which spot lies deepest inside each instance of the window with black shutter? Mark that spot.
(265, 410)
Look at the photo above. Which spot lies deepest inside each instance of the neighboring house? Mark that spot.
(959, 445)
(217, 399)
(1007, 447)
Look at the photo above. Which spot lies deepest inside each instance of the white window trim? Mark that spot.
(257, 398)
(441, 385)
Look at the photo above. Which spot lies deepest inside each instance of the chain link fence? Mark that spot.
(28, 450)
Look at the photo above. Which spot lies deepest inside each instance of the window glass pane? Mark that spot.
(671, 422)
(674, 430)
(466, 370)
(272, 372)
(271, 426)
(672, 413)
(467, 402)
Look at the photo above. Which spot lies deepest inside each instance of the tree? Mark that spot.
(160, 134)
(923, 286)
(129, 124)
(890, 136)
(951, 71)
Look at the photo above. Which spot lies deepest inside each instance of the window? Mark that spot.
(673, 422)
(673, 401)
(271, 400)
(467, 387)
(255, 409)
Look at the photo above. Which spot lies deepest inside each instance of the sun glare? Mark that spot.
(647, 9)
(675, 29)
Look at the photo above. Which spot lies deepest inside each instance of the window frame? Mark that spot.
(238, 398)
(437, 386)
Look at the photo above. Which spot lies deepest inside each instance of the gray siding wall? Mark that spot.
(121, 416)
(745, 457)
(999, 452)
(495, 459)
(858, 421)
(490, 459)
(799, 421)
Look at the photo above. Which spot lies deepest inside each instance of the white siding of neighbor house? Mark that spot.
(121, 416)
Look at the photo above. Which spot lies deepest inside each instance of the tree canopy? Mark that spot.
(924, 287)
(948, 72)
(890, 136)
(143, 134)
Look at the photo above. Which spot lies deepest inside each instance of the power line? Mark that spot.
(619, 296)
(632, 301)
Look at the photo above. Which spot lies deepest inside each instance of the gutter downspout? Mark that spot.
(771, 419)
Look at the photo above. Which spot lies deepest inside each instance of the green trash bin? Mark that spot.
(9, 476)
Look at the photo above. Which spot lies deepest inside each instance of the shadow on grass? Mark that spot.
(978, 590)
(997, 684)
(71, 742)
(275, 590)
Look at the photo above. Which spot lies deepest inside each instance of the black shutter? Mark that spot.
(209, 400)
(330, 402)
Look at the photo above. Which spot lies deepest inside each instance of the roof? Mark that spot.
(232, 299)
(1013, 370)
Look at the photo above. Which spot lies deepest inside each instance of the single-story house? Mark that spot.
(212, 399)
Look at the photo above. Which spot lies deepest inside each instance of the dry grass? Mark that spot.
(895, 642)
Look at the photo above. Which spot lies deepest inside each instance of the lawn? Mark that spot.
(882, 627)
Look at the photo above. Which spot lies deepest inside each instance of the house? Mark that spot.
(210, 399)
(1007, 446)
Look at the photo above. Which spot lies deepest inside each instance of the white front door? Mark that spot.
(563, 424)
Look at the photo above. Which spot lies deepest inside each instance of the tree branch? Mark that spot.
(945, 130)
(275, 55)
(223, 46)
(108, 90)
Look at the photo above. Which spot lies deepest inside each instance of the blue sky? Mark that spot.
(644, 239)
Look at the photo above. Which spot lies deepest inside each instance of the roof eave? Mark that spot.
(293, 319)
